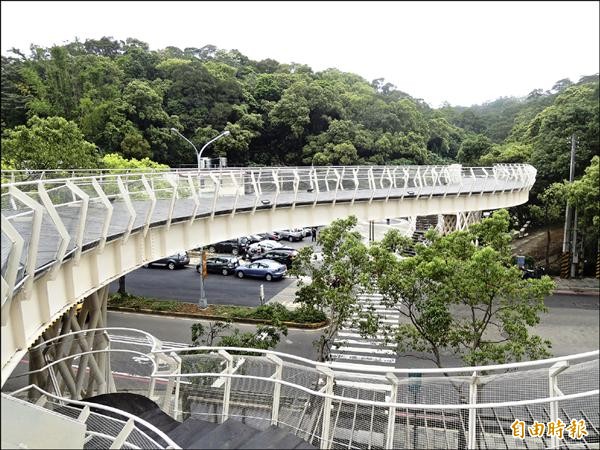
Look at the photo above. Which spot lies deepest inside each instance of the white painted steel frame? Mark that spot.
(76, 277)
(373, 376)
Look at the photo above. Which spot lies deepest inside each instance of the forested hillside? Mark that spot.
(98, 97)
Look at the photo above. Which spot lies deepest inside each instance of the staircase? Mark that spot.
(195, 433)
(422, 225)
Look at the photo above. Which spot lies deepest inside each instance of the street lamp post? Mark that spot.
(202, 301)
(199, 153)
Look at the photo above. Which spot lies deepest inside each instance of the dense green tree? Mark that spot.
(461, 295)
(49, 143)
(550, 210)
(509, 152)
(585, 194)
(334, 282)
(576, 110)
(125, 97)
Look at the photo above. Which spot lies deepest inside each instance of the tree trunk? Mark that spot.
(547, 248)
(122, 285)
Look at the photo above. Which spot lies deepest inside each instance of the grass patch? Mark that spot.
(270, 312)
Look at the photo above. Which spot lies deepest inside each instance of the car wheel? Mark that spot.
(291, 239)
(198, 269)
(234, 251)
(212, 249)
(268, 277)
(240, 274)
(171, 266)
(225, 272)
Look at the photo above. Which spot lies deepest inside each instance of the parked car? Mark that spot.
(270, 236)
(291, 235)
(263, 268)
(281, 256)
(180, 259)
(307, 231)
(251, 239)
(233, 246)
(220, 264)
(266, 245)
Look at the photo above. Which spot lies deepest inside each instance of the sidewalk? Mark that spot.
(577, 286)
(287, 296)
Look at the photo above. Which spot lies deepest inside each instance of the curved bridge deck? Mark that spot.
(64, 238)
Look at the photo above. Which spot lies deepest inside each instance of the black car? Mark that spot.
(220, 264)
(181, 259)
(269, 236)
(281, 255)
(233, 246)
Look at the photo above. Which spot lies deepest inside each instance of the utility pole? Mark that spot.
(568, 244)
(202, 304)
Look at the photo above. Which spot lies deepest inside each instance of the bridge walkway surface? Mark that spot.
(197, 433)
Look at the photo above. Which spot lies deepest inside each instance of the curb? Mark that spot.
(305, 326)
(590, 293)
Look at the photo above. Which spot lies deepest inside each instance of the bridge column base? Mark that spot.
(78, 378)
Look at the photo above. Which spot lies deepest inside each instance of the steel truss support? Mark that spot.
(78, 378)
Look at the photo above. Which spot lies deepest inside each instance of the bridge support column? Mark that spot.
(448, 223)
(86, 376)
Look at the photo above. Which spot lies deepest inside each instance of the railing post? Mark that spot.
(472, 437)
(317, 189)
(391, 176)
(356, 184)
(553, 373)
(372, 184)
(217, 182)
(227, 389)
(174, 409)
(237, 191)
(325, 444)
(129, 206)
(296, 186)
(391, 425)
(34, 240)
(152, 197)
(65, 238)
(275, 175)
(277, 387)
(12, 266)
(85, 201)
(109, 211)
(173, 200)
(337, 185)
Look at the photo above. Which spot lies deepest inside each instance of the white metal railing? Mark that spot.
(116, 427)
(381, 407)
(60, 213)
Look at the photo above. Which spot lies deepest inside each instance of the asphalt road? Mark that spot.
(177, 329)
(572, 324)
(184, 284)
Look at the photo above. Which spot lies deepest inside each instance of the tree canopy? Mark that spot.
(460, 295)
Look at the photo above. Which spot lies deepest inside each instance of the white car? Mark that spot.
(263, 246)
(307, 232)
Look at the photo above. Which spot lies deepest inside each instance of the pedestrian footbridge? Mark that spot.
(157, 396)
(66, 235)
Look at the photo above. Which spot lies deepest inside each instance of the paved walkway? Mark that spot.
(577, 286)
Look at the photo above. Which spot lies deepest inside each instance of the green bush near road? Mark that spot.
(271, 312)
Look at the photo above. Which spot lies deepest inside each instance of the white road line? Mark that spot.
(363, 358)
(363, 342)
(377, 351)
